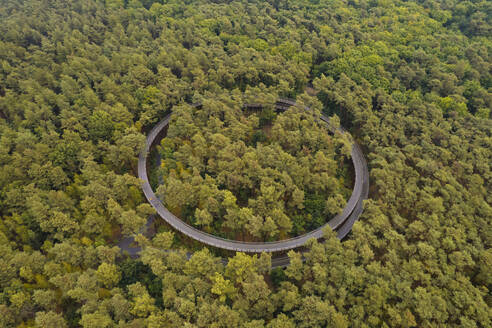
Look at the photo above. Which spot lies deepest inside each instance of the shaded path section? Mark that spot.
(126, 243)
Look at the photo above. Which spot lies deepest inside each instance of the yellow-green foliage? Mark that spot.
(83, 81)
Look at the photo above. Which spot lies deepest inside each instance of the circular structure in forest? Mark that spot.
(341, 223)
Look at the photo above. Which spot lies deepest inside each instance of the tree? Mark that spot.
(100, 126)
(222, 287)
(203, 217)
(143, 303)
(59, 224)
(281, 321)
(240, 268)
(163, 240)
(96, 319)
(294, 270)
(131, 222)
(50, 320)
(108, 274)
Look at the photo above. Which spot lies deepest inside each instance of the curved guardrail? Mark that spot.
(342, 222)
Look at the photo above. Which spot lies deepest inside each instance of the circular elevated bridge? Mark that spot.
(341, 223)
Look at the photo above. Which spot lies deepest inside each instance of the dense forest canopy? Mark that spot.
(250, 174)
(82, 81)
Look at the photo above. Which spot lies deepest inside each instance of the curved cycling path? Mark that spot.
(341, 223)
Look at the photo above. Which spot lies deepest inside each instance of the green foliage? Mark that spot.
(82, 82)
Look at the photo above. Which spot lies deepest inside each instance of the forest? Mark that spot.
(83, 81)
